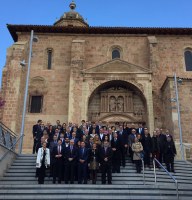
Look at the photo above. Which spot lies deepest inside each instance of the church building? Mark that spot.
(109, 74)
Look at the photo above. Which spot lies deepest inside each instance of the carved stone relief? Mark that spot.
(116, 99)
(38, 86)
(118, 102)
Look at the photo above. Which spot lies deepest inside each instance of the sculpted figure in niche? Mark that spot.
(112, 104)
(120, 104)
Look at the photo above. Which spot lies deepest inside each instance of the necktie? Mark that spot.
(59, 149)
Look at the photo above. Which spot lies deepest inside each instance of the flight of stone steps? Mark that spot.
(19, 182)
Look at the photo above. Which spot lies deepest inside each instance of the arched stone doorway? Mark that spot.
(117, 101)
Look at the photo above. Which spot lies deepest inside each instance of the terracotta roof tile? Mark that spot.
(13, 29)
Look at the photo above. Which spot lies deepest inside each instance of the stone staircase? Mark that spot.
(19, 182)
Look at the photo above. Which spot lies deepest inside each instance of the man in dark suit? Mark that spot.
(52, 145)
(75, 138)
(131, 140)
(67, 142)
(161, 138)
(77, 132)
(123, 136)
(67, 133)
(61, 137)
(140, 130)
(129, 130)
(83, 154)
(70, 162)
(58, 159)
(147, 147)
(37, 134)
(94, 126)
(106, 162)
(116, 146)
(101, 134)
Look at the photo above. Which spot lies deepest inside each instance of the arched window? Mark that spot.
(116, 54)
(49, 58)
(188, 59)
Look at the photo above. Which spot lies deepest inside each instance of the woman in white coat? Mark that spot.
(42, 162)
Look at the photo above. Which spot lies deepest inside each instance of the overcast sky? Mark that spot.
(129, 13)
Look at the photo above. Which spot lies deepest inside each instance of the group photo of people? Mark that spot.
(71, 153)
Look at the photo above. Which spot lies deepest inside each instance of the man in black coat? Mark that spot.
(106, 162)
(169, 153)
(161, 138)
(71, 153)
(116, 146)
(58, 161)
(37, 134)
(123, 136)
(147, 144)
(140, 130)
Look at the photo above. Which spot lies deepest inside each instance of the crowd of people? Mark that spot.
(77, 153)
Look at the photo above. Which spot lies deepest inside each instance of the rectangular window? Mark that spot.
(49, 61)
(36, 104)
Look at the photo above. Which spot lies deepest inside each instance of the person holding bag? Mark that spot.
(94, 163)
(137, 149)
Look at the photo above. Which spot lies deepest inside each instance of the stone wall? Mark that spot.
(167, 57)
(67, 90)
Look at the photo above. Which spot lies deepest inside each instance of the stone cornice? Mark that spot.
(14, 29)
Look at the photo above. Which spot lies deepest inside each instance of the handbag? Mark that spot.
(142, 154)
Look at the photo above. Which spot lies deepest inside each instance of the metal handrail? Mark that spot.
(8, 129)
(143, 168)
(10, 149)
(168, 173)
(187, 146)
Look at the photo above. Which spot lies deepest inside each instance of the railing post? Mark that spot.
(14, 139)
(177, 189)
(143, 172)
(154, 171)
(7, 139)
(1, 135)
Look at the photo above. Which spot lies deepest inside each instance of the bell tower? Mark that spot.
(71, 18)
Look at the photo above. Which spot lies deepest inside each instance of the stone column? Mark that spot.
(13, 84)
(149, 100)
(77, 98)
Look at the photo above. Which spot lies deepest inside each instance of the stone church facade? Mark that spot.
(109, 74)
